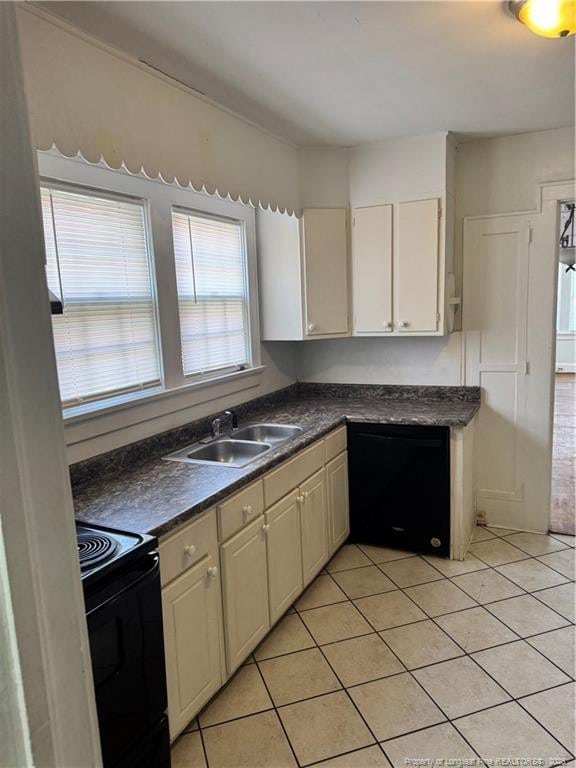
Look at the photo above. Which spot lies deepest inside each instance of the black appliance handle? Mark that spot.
(148, 575)
(420, 442)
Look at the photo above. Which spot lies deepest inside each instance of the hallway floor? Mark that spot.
(563, 512)
(389, 658)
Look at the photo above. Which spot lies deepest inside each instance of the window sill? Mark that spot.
(168, 408)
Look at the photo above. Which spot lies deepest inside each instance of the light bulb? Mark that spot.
(548, 18)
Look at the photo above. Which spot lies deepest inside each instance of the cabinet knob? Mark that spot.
(306, 494)
(300, 499)
(247, 510)
(213, 571)
(311, 326)
(265, 527)
(386, 324)
(402, 324)
(189, 550)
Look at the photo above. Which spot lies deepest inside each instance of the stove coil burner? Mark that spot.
(94, 548)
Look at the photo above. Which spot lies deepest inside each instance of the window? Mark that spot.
(212, 292)
(98, 260)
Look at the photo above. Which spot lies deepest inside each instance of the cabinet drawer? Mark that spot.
(335, 443)
(284, 479)
(188, 546)
(240, 509)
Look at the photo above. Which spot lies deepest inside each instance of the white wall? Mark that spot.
(415, 360)
(84, 95)
(502, 175)
(492, 176)
(324, 177)
(397, 170)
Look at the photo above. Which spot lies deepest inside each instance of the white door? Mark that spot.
(415, 268)
(372, 270)
(338, 510)
(325, 249)
(284, 554)
(191, 608)
(314, 522)
(495, 321)
(245, 592)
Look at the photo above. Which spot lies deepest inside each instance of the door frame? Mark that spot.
(49, 671)
(551, 195)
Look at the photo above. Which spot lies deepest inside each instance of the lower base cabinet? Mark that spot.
(284, 550)
(338, 506)
(191, 608)
(244, 591)
(314, 525)
(216, 613)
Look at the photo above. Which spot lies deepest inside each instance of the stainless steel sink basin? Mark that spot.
(230, 452)
(267, 433)
(242, 447)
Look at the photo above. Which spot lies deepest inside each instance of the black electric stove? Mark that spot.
(121, 581)
(103, 551)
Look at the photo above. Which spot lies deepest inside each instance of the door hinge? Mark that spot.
(439, 209)
(353, 221)
(530, 234)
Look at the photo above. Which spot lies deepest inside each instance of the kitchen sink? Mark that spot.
(231, 452)
(240, 448)
(267, 433)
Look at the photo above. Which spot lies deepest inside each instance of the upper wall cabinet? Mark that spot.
(303, 274)
(398, 275)
(372, 270)
(402, 195)
(415, 267)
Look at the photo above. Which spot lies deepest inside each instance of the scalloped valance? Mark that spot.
(87, 99)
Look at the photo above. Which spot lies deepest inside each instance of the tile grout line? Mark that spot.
(204, 750)
(443, 576)
(409, 672)
(277, 713)
(474, 660)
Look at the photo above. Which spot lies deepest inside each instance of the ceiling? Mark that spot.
(345, 73)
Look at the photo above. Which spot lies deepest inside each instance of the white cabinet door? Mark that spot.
(191, 607)
(245, 592)
(324, 239)
(314, 525)
(497, 258)
(372, 270)
(415, 268)
(284, 554)
(338, 510)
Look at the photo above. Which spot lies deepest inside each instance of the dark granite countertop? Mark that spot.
(134, 489)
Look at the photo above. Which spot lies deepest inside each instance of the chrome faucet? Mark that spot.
(233, 419)
(217, 424)
(216, 428)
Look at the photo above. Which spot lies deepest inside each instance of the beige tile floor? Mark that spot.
(390, 658)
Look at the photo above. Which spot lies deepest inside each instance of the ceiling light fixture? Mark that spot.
(548, 18)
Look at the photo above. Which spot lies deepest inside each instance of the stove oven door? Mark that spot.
(127, 648)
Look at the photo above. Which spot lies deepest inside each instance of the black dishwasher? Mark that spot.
(400, 486)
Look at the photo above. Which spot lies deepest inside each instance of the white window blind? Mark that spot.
(212, 292)
(98, 260)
